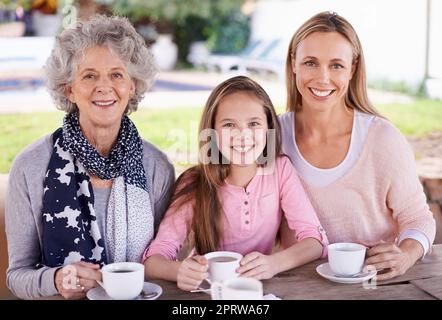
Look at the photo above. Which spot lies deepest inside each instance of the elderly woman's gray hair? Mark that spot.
(114, 33)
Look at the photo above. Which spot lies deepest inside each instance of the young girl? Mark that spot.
(235, 197)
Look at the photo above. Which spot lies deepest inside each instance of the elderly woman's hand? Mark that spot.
(192, 272)
(74, 280)
(396, 259)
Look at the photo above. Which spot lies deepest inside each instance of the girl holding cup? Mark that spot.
(234, 199)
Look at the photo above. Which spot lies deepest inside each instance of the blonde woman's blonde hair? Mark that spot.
(356, 97)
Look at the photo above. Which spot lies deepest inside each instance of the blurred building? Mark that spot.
(402, 39)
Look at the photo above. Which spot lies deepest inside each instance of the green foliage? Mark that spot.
(11, 5)
(26, 4)
(7, 4)
(229, 34)
(218, 21)
(193, 28)
(174, 11)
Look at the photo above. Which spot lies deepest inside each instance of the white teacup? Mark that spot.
(223, 265)
(123, 280)
(237, 289)
(346, 259)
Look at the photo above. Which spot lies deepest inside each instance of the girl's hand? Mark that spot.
(74, 280)
(192, 272)
(257, 265)
(390, 257)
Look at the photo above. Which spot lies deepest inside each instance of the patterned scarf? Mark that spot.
(70, 228)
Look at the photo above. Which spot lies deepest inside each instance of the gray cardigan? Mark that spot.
(23, 213)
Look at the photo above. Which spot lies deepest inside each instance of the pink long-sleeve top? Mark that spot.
(251, 215)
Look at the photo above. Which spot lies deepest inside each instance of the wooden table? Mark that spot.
(423, 281)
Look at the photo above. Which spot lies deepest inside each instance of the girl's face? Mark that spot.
(323, 66)
(241, 127)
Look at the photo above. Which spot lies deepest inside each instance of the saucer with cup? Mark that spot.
(345, 263)
(123, 281)
(222, 266)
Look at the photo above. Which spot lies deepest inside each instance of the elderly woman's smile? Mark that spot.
(104, 103)
(101, 87)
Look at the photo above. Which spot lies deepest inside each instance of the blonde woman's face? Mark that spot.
(241, 127)
(323, 66)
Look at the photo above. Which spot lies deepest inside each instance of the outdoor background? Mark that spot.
(198, 44)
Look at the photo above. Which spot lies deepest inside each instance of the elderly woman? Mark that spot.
(355, 165)
(93, 192)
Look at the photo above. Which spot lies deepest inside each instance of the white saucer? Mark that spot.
(325, 271)
(98, 293)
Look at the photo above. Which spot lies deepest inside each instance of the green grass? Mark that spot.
(168, 129)
(416, 119)
(175, 130)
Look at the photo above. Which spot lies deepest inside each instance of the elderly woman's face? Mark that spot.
(101, 88)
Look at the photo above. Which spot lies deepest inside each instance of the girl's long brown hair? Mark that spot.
(357, 97)
(199, 185)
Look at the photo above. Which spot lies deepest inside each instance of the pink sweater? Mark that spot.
(379, 197)
(252, 216)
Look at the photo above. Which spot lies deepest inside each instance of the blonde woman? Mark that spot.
(356, 167)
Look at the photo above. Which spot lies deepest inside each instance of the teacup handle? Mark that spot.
(101, 282)
(216, 290)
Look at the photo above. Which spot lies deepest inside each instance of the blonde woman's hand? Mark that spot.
(74, 280)
(395, 259)
(192, 272)
(257, 265)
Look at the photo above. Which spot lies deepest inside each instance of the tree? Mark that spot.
(191, 20)
(175, 11)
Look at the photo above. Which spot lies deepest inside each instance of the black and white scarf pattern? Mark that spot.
(70, 228)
